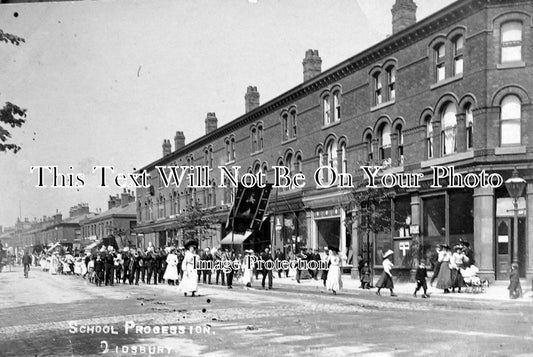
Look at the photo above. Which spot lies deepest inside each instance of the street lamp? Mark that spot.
(515, 186)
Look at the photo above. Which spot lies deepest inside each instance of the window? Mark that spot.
(293, 123)
(511, 42)
(298, 164)
(399, 133)
(285, 126)
(449, 129)
(331, 150)
(327, 110)
(344, 161)
(439, 62)
(232, 148)
(228, 151)
(429, 138)
(368, 146)
(458, 45)
(511, 114)
(254, 139)
(260, 137)
(391, 83)
(469, 121)
(384, 142)
(336, 106)
(378, 98)
(289, 163)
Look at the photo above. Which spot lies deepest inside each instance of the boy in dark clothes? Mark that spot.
(99, 270)
(420, 276)
(365, 276)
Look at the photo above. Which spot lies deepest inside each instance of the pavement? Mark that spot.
(38, 315)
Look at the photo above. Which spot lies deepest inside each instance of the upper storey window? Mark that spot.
(327, 109)
(385, 142)
(458, 45)
(440, 56)
(336, 106)
(449, 129)
(288, 124)
(391, 83)
(285, 126)
(511, 115)
(511, 42)
(378, 93)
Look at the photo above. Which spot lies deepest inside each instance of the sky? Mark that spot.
(104, 82)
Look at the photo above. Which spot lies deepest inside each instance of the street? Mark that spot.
(52, 315)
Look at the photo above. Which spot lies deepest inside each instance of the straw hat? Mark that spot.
(388, 253)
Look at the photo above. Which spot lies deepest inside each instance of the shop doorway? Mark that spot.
(503, 248)
(329, 231)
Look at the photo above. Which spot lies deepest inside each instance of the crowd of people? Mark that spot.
(108, 266)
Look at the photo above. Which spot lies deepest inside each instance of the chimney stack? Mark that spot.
(211, 123)
(251, 99)
(403, 15)
(312, 64)
(167, 148)
(179, 140)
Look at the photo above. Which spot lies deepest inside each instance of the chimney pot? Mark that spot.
(403, 15)
(251, 99)
(179, 140)
(211, 123)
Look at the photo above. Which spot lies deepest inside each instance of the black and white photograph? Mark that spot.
(266, 178)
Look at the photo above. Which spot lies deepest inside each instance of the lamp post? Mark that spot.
(515, 186)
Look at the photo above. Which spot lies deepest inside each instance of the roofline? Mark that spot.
(435, 21)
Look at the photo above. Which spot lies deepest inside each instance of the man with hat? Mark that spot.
(207, 257)
(109, 266)
(219, 273)
(266, 257)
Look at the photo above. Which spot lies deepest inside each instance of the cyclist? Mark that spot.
(26, 261)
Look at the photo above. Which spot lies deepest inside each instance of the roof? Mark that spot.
(451, 13)
(129, 211)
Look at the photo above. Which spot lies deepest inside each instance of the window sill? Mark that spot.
(447, 159)
(509, 65)
(230, 162)
(514, 149)
(446, 81)
(327, 126)
(288, 141)
(382, 105)
(256, 152)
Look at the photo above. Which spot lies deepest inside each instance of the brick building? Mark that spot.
(118, 221)
(453, 89)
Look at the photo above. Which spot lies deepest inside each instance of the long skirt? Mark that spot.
(445, 277)
(385, 281)
(171, 273)
(247, 277)
(333, 281)
(189, 283)
(457, 279)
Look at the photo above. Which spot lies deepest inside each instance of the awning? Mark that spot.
(235, 238)
(91, 246)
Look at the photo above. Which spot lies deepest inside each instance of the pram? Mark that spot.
(473, 283)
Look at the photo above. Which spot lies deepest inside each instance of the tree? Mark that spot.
(10, 114)
(196, 222)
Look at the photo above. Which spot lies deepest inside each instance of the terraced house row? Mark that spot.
(453, 89)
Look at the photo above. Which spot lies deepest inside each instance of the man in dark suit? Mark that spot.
(206, 257)
(220, 273)
(280, 256)
(266, 256)
(109, 266)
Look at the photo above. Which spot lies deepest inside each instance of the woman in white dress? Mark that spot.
(334, 282)
(171, 272)
(248, 268)
(189, 283)
(54, 263)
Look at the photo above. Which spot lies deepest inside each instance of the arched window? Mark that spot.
(384, 141)
(336, 106)
(378, 95)
(285, 126)
(228, 150)
(511, 115)
(399, 135)
(469, 121)
(343, 159)
(289, 163)
(448, 129)
(254, 139)
(327, 110)
(440, 56)
(293, 124)
(429, 137)
(331, 150)
(391, 83)
(369, 147)
(260, 137)
(511, 42)
(232, 148)
(298, 165)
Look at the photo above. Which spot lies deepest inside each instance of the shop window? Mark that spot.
(511, 114)
(440, 67)
(511, 42)
(458, 45)
(402, 216)
(449, 129)
(461, 223)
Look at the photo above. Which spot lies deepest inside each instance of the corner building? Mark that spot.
(451, 90)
